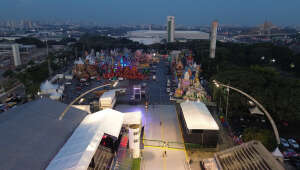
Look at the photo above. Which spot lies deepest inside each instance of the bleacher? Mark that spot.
(102, 159)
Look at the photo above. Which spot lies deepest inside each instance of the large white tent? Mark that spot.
(197, 116)
(79, 150)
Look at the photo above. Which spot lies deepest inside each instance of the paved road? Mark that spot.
(167, 131)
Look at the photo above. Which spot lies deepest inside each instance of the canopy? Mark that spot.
(107, 97)
(79, 150)
(277, 153)
(48, 87)
(79, 61)
(197, 116)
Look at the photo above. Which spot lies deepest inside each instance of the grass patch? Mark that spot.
(136, 163)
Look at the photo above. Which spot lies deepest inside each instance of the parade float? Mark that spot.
(113, 65)
(189, 86)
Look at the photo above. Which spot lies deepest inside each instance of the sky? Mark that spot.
(186, 12)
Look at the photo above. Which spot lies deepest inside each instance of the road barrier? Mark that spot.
(178, 145)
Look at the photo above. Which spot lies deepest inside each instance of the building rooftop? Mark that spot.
(197, 116)
(80, 148)
(250, 155)
(31, 134)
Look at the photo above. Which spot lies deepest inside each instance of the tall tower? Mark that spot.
(171, 28)
(16, 54)
(213, 39)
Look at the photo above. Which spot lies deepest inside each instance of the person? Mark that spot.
(160, 123)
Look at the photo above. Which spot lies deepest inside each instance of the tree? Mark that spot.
(266, 137)
(8, 73)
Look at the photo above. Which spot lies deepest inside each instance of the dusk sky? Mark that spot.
(187, 12)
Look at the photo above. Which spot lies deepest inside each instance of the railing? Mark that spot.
(178, 145)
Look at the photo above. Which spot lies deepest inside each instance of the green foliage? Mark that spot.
(33, 77)
(8, 73)
(266, 137)
(31, 62)
(278, 94)
(136, 164)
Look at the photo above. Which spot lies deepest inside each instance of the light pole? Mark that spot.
(83, 94)
(218, 84)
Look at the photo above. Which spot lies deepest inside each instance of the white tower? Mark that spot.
(213, 39)
(16, 54)
(171, 28)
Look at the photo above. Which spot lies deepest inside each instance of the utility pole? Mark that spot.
(227, 89)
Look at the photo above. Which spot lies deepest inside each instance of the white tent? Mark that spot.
(107, 98)
(47, 87)
(79, 150)
(277, 153)
(55, 96)
(79, 61)
(197, 116)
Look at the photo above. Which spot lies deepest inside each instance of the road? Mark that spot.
(168, 131)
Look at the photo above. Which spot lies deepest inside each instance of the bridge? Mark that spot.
(261, 35)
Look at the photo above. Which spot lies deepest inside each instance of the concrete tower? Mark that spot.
(213, 39)
(16, 54)
(171, 28)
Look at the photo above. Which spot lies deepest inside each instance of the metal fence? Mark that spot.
(178, 145)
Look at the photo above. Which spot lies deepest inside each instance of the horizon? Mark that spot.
(135, 12)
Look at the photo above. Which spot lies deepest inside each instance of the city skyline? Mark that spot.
(154, 12)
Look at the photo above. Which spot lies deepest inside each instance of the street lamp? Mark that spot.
(257, 104)
(83, 94)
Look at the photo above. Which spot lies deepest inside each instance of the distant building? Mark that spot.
(213, 39)
(171, 28)
(16, 54)
(156, 36)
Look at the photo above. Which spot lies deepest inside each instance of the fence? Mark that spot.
(178, 145)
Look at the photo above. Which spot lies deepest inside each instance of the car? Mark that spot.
(11, 104)
(293, 143)
(284, 142)
(289, 153)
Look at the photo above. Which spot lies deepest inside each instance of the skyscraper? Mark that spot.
(16, 54)
(213, 39)
(171, 28)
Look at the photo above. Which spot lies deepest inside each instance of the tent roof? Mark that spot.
(48, 85)
(79, 150)
(197, 116)
(31, 134)
(132, 118)
(277, 153)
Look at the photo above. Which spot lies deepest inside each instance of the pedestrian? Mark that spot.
(160, 123)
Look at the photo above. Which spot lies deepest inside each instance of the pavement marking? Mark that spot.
(164, 148)
(186, 155)
(159, 147)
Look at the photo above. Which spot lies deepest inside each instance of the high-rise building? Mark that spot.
(171, 28)
(16, 54)
(213, 39)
